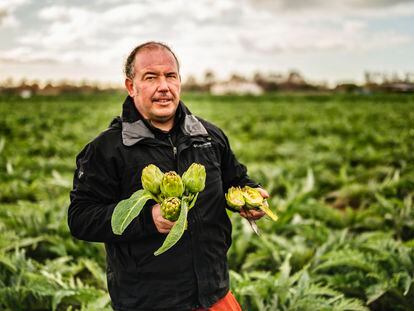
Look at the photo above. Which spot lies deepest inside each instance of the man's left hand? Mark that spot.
(255, 214)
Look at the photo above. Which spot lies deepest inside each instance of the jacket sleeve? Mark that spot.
(95, 193)
(233, 172)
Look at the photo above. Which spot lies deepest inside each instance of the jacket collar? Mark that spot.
(135, 128)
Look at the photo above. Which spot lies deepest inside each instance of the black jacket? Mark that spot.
(192, 273)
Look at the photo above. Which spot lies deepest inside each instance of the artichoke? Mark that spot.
(151, 179)
(252, 197)
(235, 198)
(194, 178)
(170, 208)
(172, 185)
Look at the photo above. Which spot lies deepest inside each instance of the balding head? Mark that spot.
(150, 45)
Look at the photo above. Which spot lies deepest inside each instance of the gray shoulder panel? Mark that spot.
(192, 126)
(134, 132)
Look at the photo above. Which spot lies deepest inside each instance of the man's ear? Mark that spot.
(129, 85)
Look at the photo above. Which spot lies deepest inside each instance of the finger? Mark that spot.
(164, 230)
(263, 193)
(260, 214)
(257, 215)
(244, 215)
(165, 223)
(252, 214)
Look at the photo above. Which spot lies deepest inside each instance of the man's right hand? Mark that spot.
(163, 225)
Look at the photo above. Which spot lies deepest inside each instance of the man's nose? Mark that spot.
(163, 86)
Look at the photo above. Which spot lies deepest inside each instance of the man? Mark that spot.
(156, 127)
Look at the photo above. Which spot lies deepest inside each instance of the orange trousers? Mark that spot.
(227, 303)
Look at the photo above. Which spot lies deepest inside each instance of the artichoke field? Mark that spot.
(339, 170)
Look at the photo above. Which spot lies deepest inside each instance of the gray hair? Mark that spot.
(130, 61)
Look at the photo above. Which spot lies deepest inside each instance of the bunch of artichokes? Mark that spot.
(176, 195)
(169, 188)
(248, 198)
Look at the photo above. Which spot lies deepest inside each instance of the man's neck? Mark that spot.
(163, 126)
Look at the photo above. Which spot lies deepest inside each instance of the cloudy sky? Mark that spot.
(325, 40)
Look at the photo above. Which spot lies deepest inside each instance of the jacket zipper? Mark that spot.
(173, 147)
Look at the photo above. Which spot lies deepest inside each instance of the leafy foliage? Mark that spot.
(340, 171)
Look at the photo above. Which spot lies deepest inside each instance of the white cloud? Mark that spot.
(323, 10)
(11, 4)
(58, 13)
(7, 20)
(347, 35)
(206, 22)
(25, 55)
(75, 30)
(67, 28)
(125, 14)
(318, 5)
(376, 3)
(224, 35)
(7, 13)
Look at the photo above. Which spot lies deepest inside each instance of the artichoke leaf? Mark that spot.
(176, 231)
(126, 210)
(265, 208)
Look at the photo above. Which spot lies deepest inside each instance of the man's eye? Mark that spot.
(150, 78)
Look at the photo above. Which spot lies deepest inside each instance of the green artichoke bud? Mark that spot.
(151, 179)
(194, 178)
(172, 185)
(252, 197)
(235, 198)
(170, 208)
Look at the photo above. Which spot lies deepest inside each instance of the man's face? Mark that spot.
(156, 86)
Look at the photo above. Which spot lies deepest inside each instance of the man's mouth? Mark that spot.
(162, 100)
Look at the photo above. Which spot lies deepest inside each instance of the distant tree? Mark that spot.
(409, 77)
(237, 78)
(294, 77)
(395, 78)
(209, 77)
(258, 77)
(191, 85)
(266, 83)
(367, 77)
